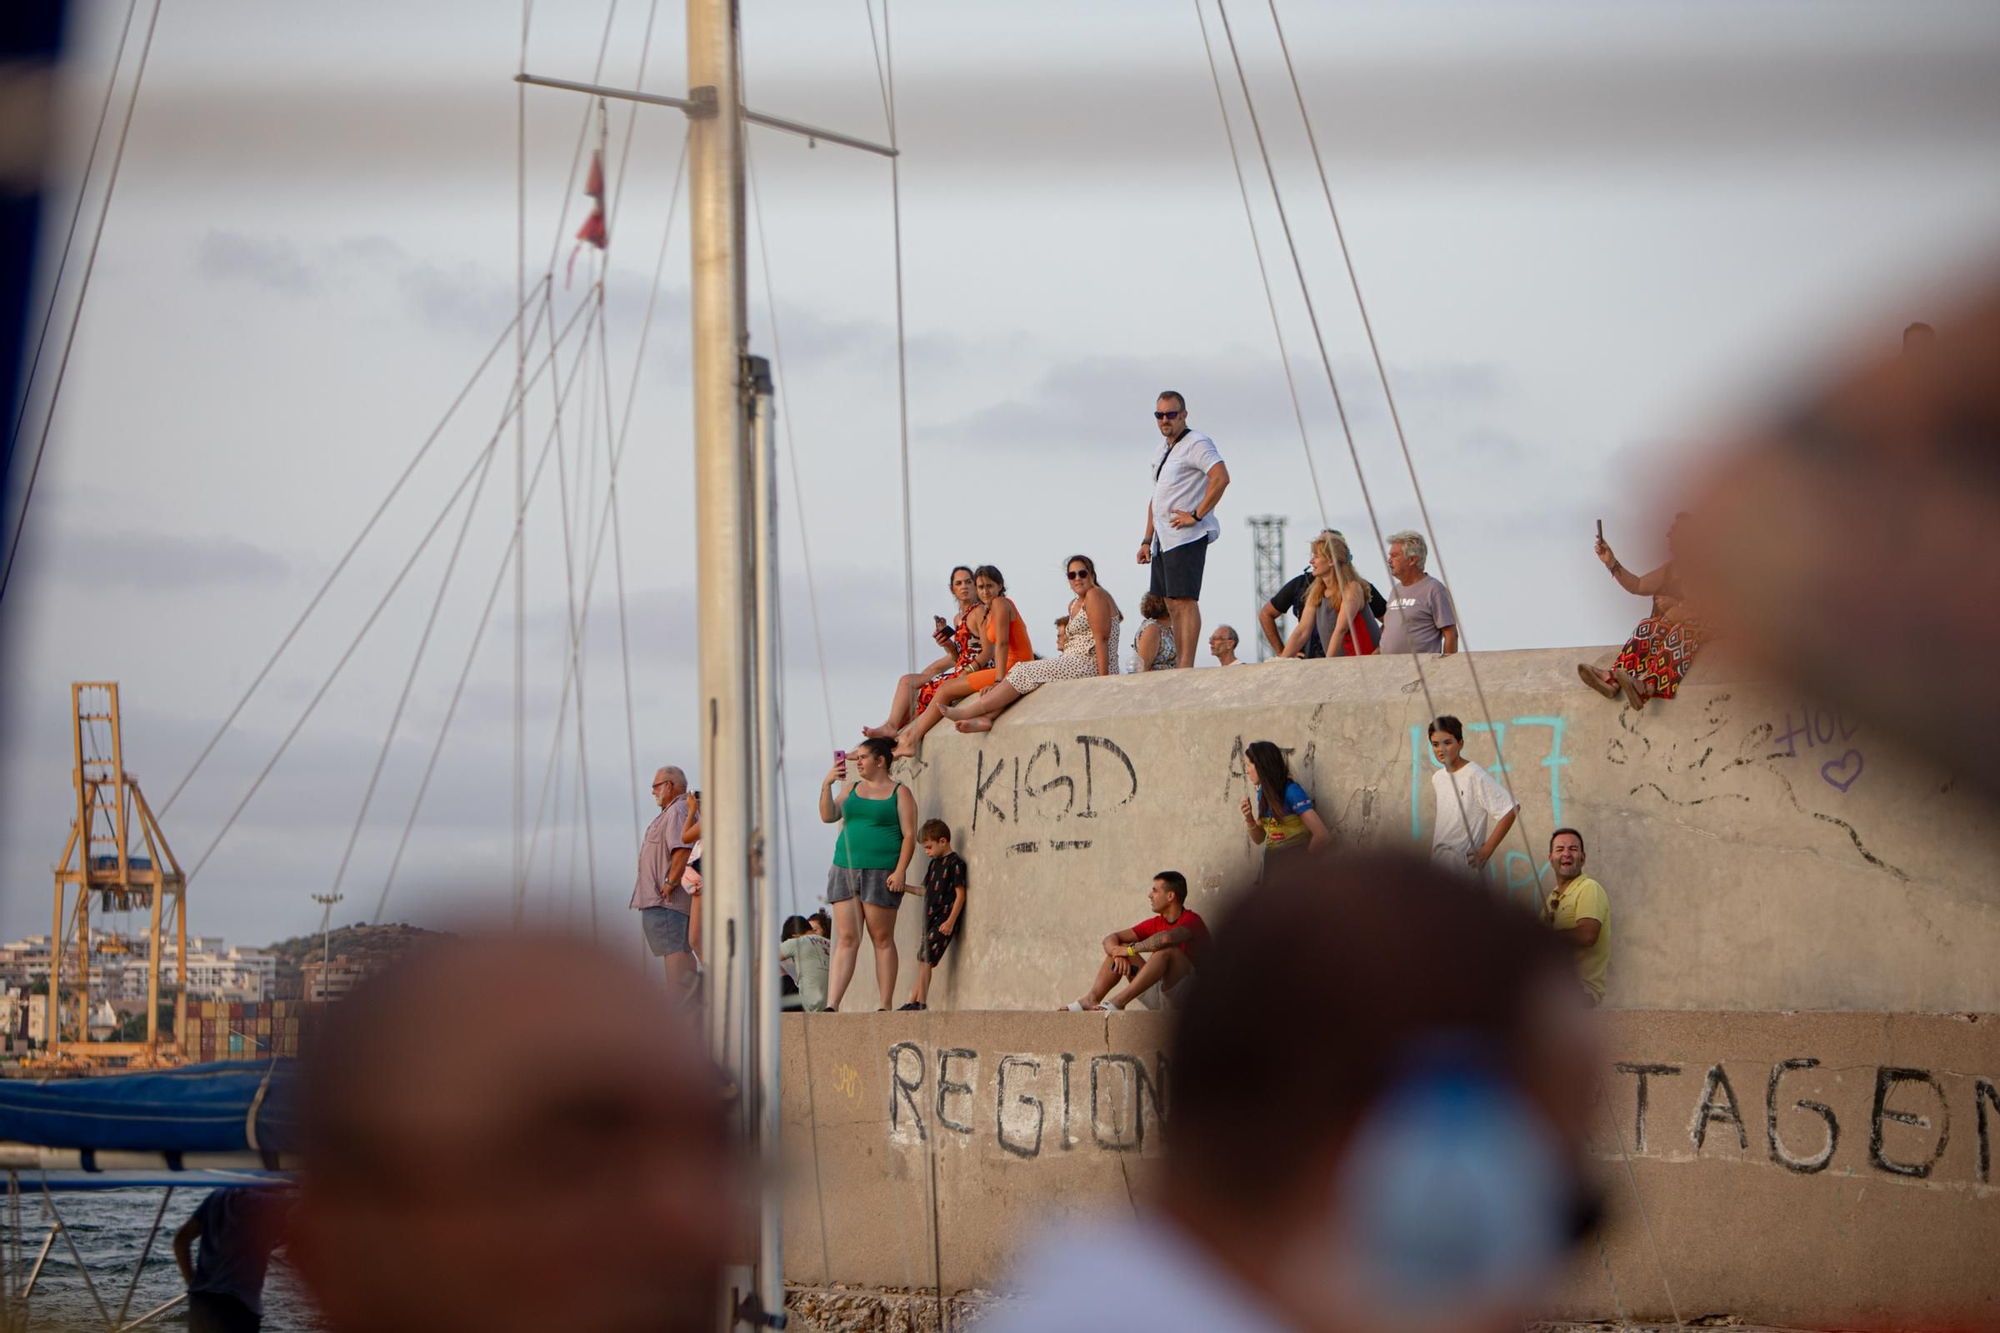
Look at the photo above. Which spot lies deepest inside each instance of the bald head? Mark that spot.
(513, 1134)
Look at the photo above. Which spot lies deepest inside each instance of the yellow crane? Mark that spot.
(103, 858)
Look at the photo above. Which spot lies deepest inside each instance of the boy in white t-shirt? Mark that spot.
(1474, 813)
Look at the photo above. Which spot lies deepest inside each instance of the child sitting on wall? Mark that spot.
(804, 955)
(944, 901)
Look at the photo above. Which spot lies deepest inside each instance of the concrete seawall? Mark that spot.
(1760, 851)
(1812, 1170)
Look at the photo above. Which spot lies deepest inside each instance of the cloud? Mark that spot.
(150, 561)
(270, 262)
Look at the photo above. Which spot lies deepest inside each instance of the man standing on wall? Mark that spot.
(1421, 618)
(659, 898)
(1188, 480)
(1580, 912)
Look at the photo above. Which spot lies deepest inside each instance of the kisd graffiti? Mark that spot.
(1097, 777)
(1908, 1114)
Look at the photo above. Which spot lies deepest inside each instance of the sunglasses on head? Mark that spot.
(1165, 416)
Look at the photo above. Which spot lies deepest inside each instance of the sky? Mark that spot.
(1589, 237)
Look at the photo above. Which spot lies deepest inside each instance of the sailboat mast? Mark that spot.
(725, 594)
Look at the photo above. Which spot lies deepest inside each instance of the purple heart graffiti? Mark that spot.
(1842, 773)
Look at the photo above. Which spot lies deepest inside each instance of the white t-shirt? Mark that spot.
(1485, 803)
(1141, 1274)
(1181, 483)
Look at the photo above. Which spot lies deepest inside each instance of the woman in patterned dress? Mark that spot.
(963, 650)
(1090, 648)
(1153, 645)
(1656, 658)
(1007, 642)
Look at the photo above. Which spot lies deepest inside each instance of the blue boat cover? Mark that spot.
(75, 1182)
(194, 1109)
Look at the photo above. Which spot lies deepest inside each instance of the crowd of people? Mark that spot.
(988, 662)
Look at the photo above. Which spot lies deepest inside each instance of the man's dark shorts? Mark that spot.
(213, 1312)
(666, 930)
(1177, 573)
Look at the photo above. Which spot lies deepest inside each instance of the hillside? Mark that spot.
(372, 946)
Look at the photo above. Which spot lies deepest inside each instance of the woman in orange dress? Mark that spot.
(1006, 636)
(963, 652)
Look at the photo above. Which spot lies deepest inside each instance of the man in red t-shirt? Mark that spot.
(1162, 950)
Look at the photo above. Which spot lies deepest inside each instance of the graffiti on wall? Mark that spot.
(1894, 1120)
(1089, 778)
(1515, 871)
(1825, 734)
(1025, 1105)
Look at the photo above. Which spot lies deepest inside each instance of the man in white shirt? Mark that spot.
(1188, 481)
(1422, 1170)
(1474, 812)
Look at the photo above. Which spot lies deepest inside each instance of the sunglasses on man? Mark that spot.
(1165, 416)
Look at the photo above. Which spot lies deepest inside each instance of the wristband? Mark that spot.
(1129, 953)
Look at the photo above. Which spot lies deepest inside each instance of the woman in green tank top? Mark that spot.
(878, 820)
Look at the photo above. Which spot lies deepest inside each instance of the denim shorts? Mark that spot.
(666, 930)
(868, 884)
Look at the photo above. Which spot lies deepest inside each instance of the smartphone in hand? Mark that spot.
(840, 761)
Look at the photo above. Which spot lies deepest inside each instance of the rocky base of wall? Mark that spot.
(899, 1310)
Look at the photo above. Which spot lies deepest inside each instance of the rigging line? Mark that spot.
(1263, 273)
(631, 119)
(885, 70)
(1644, 1216)
(82, 294)
(348, 555)
(791, 448)
(582, 133)
(575, 626)
(458, 691)
(76, 216)
(416, 662)
(1319, 340)
(348, 655)
(519, 543)
(618, 570)
(1395, 417)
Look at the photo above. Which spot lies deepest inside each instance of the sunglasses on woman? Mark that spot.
(1076, 574)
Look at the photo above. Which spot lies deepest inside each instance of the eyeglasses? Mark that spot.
(1165, 416)
(1076, 574)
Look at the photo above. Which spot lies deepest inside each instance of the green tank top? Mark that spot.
(871, 834)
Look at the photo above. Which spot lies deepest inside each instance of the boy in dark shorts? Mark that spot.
(944, 901)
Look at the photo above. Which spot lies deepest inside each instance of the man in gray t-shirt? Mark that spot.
(1420, 617)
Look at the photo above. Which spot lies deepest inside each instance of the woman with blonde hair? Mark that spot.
(1336, 605)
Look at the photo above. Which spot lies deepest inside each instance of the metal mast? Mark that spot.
(1267, 567)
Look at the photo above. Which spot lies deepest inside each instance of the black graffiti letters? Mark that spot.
(1819, 1161)
(1712, 1110)
(1022, 1146)
(947, 1088)
(1984, 1092)
(1639, 1117)
(1887, 1079)
(1044, 781)
(902, 1091)
(1137, 1087)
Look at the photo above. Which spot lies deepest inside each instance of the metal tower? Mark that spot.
(1267, 570)
(100, 859)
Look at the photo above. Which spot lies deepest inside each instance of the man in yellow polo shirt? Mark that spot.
(1579, 911)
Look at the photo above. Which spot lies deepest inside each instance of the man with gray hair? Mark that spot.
(1420, 617)
(658, 897)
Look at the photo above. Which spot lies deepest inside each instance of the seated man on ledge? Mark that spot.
(1161, 950)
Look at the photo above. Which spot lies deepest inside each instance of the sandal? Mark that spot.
(1630, 687)
(1595, 679)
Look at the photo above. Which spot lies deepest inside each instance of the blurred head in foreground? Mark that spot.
(513, 1134)
(1379, 1091)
